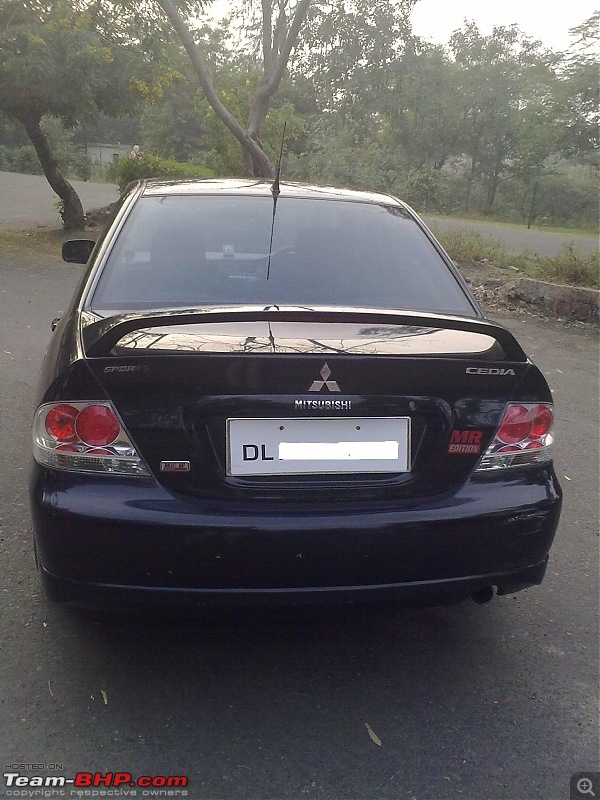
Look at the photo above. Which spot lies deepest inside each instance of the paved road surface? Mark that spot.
(492, 702)
(27, 201)
(517, 238)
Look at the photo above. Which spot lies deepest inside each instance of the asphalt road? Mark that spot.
(517, 238)
(493, 702)
(27, 201)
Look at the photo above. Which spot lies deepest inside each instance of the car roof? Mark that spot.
(261, 187)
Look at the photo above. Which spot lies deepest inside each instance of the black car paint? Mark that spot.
(439, 532)
(98, 534)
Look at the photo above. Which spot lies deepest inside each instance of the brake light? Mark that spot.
(542, 420)
(84, 437)
(60, 422)
(524, 437)
(516, 425)
(97, 425)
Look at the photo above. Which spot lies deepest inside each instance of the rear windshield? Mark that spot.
(184, 252)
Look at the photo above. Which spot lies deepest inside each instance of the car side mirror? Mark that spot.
(77, 251)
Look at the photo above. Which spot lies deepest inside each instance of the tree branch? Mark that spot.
(274, 79)
(267, 36)
(246, 141)
(280, 28)
(270, 83)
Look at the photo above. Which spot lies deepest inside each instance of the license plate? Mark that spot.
(317, 446)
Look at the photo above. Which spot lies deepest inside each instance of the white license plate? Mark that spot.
(317, 446)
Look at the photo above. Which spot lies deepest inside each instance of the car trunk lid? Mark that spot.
(178, 379)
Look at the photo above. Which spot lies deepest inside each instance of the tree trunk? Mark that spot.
(72, 212)
(491, 192)
(275, 58)
(256, 120)
(493, 185)
(473, 170)
(470, 183)
(247, 144)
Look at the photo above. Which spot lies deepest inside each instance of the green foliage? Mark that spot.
(473, 125)
(568, 198)
(56, 60)
(183, 140)
(71, 157)
(53, 60)
(17, 153)
(199, 136)
(103, 128)
(20, 159)
(465, 247)
(150, 166)
(577, 104)
(570, 267)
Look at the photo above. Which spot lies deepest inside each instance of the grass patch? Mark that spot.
(584, 233)
(41, 242)
(569, 266)
(44, 242)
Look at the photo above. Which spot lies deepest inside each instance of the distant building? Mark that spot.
(107, 154)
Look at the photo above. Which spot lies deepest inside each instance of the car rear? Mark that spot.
(194, 450)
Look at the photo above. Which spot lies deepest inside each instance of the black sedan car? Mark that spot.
(284, 393)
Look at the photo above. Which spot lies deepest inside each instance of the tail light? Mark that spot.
(84, 437)
(523, 438)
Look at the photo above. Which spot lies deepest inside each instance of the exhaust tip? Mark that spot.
(483, 595)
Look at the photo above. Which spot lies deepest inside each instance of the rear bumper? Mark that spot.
(106, 540)
(101, 595)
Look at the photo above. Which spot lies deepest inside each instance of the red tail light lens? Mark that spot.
(523, 438)
(60, 423)
(516, 425)
(84, 437)
(97, 426)
(542, 420)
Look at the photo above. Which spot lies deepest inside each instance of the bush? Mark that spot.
(466, 247)
(81, 166)
(20, 159)
(72, 158)
(569, 266)
(149, 166)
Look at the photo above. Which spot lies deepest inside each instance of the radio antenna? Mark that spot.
(275, 191)
(275, 187)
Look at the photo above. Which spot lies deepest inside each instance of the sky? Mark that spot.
(541, 19)
(436, 20)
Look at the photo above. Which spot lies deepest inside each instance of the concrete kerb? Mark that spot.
(567, 302)
(491, 284)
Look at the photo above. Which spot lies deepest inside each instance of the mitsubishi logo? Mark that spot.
(318, 385)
